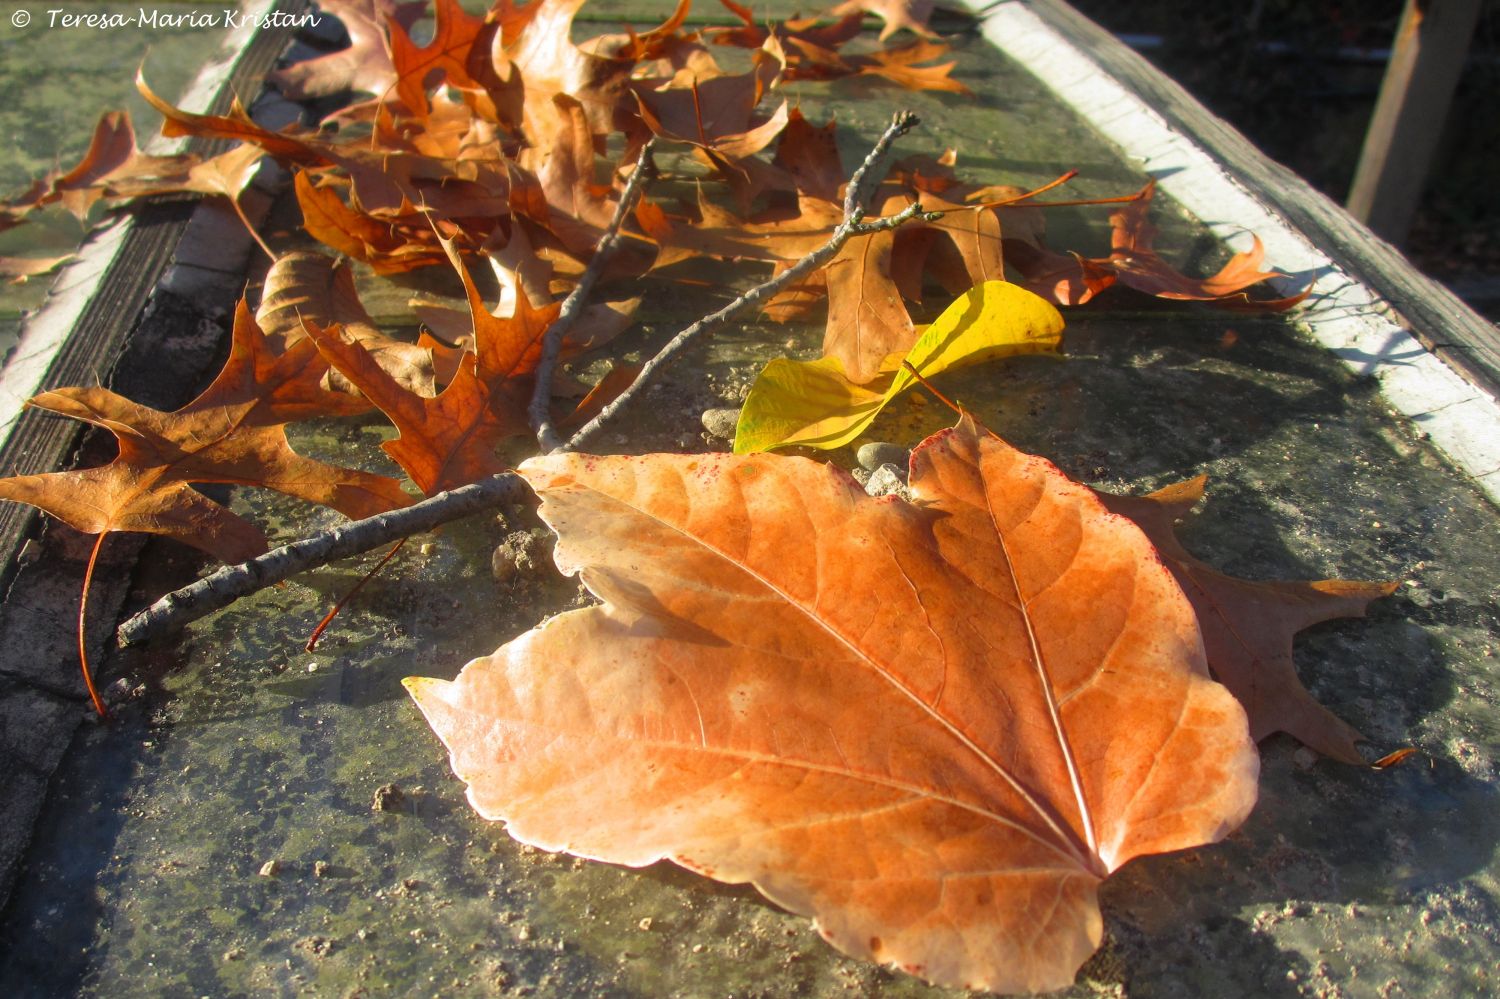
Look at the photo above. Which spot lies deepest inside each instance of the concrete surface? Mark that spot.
(235, 750)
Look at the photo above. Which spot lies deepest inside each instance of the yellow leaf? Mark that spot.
(813, 404)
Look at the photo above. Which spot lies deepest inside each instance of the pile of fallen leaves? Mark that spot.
(934, 725)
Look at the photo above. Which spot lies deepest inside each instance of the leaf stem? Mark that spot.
(1023, 200)
(959, 410)
(1056, 182)
(83, 645)
(234, 203)
(317, 633)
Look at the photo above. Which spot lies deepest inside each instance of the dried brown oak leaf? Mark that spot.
(935, 726)
(1072, 279)
(389, 248)
(114, 168)
(450, 440)
(111, 152)
(1137, 264)
(237, 126)
(811, 46)
(304, 285)
(449, 51)
(897, 14)
(716, 110)
(231, 433)
(393, 192)
(1248, 626)
(867, 320)
(753, 30)
(365, 66)
(542, 52)
(864, 282)
(445, 441)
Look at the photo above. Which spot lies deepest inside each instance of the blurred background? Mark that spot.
(1300, 79)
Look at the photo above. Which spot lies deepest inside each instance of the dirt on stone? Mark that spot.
(522, 553)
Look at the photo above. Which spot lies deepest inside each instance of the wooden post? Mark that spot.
(1426, 61)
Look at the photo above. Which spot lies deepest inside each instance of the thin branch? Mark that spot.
(539, 412)
(872, 171)
(225, 586)
(845, 231)
(861, 189)
(221, 588)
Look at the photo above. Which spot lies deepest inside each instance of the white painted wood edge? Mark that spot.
(1343, 314)
(45, 331)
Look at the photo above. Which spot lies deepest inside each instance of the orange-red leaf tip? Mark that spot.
(1391, 759)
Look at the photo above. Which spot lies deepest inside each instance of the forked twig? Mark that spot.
(223, 587)
(539, 412)
(861, 187)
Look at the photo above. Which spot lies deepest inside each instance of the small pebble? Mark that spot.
(388, 798)
(270, 868)
(321, 868)
(871, 456)
(645, 923)
(427, 548)
(886, 480)
(1304, 759)
(721, 422)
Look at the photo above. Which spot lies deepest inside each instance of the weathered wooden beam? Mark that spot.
(1427, 59)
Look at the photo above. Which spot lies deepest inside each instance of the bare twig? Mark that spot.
(224, 587)
(221, 588)
(872, 171)
(861, 189)
(539, 412)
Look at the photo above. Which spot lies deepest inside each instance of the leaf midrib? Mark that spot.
(1064, 837)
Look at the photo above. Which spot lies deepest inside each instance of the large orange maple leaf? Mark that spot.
(935, 726)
